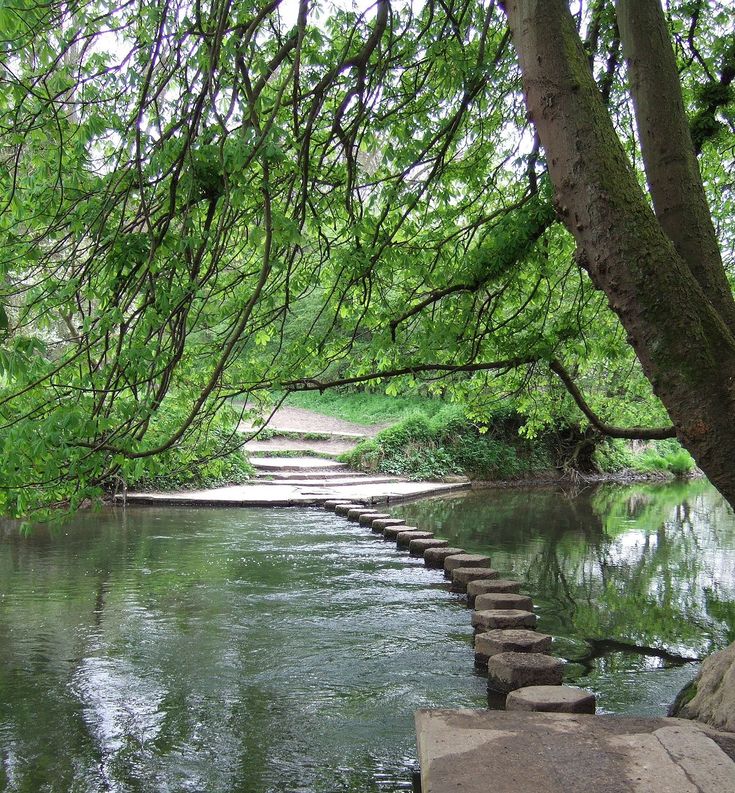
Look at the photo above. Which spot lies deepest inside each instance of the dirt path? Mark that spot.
(290, 419)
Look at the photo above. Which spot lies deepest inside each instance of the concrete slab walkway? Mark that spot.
(285, 494)
(467, 751)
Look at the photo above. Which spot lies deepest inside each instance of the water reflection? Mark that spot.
(238, 650)
(650, 565)
(286, 650)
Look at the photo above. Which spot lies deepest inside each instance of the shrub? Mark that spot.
(447, 444)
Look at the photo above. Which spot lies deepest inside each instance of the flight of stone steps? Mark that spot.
(305, 471)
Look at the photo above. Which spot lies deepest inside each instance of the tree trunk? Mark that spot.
(671, 165)
(684, 345)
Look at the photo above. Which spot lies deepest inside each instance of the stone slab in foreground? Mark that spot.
(467, 751)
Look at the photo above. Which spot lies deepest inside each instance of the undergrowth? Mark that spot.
(664, 457)
(447, 444)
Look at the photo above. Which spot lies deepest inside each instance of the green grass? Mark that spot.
(365, 407)
(658, 457)
(447, 444)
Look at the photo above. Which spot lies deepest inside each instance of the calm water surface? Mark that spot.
(286, 650)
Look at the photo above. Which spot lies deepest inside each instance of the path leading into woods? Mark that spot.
(297, 465)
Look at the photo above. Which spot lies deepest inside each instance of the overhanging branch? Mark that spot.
(308, 384)
(628, 433)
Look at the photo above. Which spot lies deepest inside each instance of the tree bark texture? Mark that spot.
(684, 345)
(672, 170)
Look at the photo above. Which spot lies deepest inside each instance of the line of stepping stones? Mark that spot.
(507, 644)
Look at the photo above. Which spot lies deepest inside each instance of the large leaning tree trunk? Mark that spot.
(662, 273)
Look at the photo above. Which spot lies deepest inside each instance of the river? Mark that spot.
(285, 650)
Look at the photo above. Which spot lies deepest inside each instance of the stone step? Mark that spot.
(391, 532)
(465, 560)
(368, 518)
(475, 588)
(378, 525)
(403, 538)
(343, 509)
(509, 671)
(306, 480)
(286, 464)
(331, 503)
(551, 699)
(419, 547)
(461, 576)
(503, 618)
(509, 640)
(288, 476)
(331, 447)
(357, 513)
(435, 557)
(503, 600)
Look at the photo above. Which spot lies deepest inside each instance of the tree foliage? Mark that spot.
(203, 202)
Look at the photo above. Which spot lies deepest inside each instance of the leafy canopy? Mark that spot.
(209, 201)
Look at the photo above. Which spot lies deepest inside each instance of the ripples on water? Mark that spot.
(286, 650)
(239, 650)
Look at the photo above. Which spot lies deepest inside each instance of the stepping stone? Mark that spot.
(392, 532)
(393, 526)
(378, 524)
(475, 588)
(434, 557)
(509, 671)
(503, 600)
(551, 699)
(465, 560)
(331, 503)
(503, 618)
(343, 509)
(403, 538)
(354, 514)
(368, 517)
(417, 547)
(510, 640)
(461, 576)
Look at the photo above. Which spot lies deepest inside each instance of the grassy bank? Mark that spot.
(430, 440)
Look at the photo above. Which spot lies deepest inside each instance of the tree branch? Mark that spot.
(309, 384)
(629, 433)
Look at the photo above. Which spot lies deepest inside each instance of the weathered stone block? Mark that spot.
(378, 524)
(465, 560)
(403, 538)
(551, 699)
(710, 697)
(475, 588)
(503, 600)
(391, 532)
(503, 618)
(509, 671)
(331, 503)
(369, 517)
(461, 576)
(354, 514)
(343, 509)
(434, 557)
(517, 640)
(417, 547)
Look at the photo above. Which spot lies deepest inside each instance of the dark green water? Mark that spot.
(646, 565)
(286, 650)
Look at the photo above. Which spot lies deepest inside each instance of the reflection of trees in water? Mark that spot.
(641, 563)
